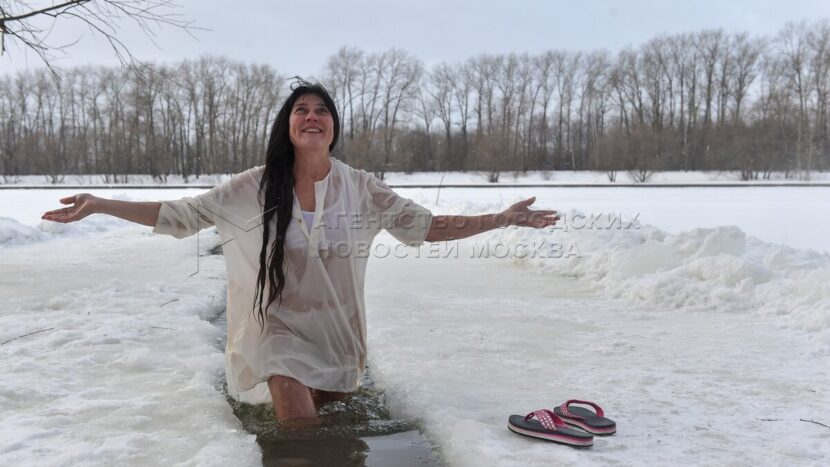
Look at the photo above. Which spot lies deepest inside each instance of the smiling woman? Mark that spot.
(295, 311)
(311, 123)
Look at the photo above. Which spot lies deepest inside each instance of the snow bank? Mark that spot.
(707, 346)
(718, 269)
(126, 373)
(464, 343)
(708, 269)
(123, 367)
(15, 233)
(90, 225)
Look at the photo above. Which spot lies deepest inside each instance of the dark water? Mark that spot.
(355, 433)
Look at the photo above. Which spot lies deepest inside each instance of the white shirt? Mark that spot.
(317, 334)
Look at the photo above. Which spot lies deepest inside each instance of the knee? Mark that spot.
(281, 382)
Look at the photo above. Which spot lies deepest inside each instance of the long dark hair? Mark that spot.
(276, 189)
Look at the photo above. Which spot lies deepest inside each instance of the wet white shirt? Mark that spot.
(317, 334)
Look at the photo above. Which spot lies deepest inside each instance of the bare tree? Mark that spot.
(692, 101)
(594, 99)
(792, 42)
(524, 111)
(426, 109)
(547, 81)
(819, 46)
(462, 88)
(746, 54)
(441, 91)
(689, 68)
(399, 90)
(507, 82)
(29, 27)
(566, 69)
(342, 71)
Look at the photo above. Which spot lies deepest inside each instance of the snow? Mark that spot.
(125, 367)
(583, 177)
(792, 216)
(98, 180)
(708, 346)
(486, 339)
(699, 318)
(448, 178)
(15, 233)
(38, 201)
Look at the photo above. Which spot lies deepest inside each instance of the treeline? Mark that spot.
(206, 116)
(698, 101)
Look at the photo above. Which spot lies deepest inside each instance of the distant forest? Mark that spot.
(709, 100)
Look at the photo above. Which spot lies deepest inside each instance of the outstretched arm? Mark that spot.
(84, 204)
(455, 227)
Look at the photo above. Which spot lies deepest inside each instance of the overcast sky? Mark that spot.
(297, 36)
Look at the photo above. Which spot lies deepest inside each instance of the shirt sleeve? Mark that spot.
(184, 217)
(187, 216)
(406, 220)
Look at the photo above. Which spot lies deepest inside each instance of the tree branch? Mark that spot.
(71, 4)
(101, 16)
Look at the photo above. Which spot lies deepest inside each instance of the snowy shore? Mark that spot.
(126, 366)
(708, 344)
(444, 178)
(484, 339)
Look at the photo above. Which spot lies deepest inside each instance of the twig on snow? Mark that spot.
(24, 335)
(813, 421)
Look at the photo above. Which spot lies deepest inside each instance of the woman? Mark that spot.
(295, 233)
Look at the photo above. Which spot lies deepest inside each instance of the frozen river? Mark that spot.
(794, 216)
(701, 327)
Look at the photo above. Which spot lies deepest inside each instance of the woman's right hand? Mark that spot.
(82, 205)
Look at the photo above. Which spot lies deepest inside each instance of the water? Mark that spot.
(357, 432)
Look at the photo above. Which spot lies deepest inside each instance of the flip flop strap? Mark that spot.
(548, 419)
(567, 413)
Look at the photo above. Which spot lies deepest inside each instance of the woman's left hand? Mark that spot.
(521, 215)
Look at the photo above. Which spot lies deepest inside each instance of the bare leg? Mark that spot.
(292, 400)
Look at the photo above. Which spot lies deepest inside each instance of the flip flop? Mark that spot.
(550, 427)
(592, 422)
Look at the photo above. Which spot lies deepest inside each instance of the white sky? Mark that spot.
(297, 36)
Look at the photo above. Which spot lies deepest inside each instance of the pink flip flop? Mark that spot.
(548, 426)
(592, 422)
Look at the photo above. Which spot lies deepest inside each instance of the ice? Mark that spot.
(702, 325)
(713, 269)
(481, 339)
(38, 201)
(123, 366)
(793, 216)
(709, 344)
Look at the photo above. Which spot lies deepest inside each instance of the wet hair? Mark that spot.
(277, 195)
